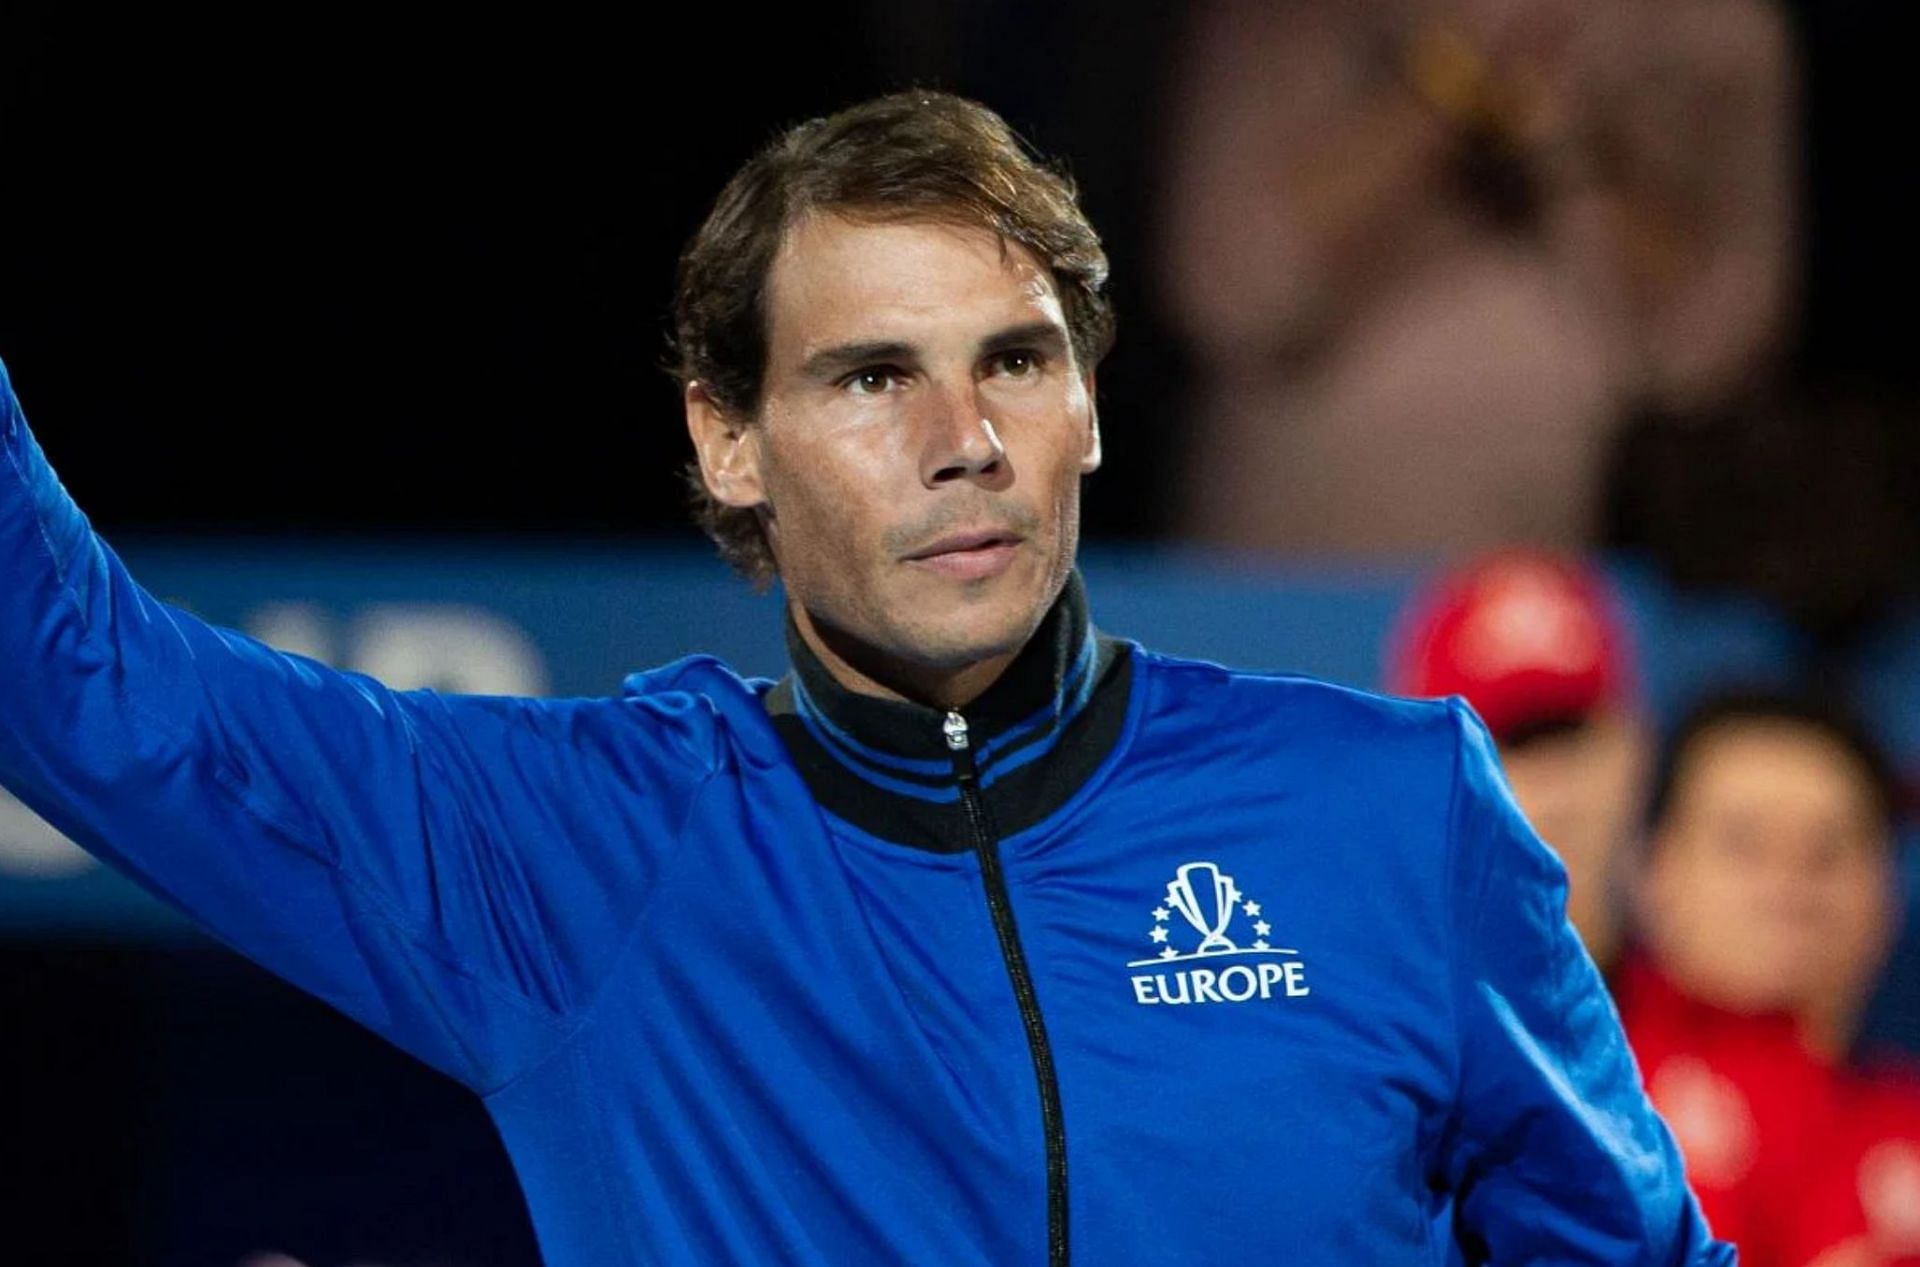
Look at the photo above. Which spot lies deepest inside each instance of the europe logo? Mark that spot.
(1208, 901)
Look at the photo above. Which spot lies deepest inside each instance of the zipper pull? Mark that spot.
(960, 744)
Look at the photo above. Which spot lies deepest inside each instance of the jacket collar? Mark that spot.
(885, 766)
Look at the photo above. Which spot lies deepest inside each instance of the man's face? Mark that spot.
(919, 447)
(1770, 884)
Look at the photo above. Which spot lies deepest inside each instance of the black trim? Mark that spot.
(1044, 728)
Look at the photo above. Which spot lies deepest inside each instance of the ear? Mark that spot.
(1090, 460)
(728, 450)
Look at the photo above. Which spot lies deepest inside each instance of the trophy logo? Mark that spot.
(1208, 899)
(1205, 896)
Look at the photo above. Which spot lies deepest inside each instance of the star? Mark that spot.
(1263, 928)
(1169, 953)
(1251, 908)
(1261, 944)
(1158, 933)
(1160, 913)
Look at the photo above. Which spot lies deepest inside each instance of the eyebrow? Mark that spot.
(1044, 336)
(844, 358)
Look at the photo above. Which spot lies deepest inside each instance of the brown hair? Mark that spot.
(910, 155)
(1809, 711)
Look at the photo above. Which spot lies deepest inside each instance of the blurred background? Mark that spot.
(1552, 356)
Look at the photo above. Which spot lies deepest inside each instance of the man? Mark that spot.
(980, 938)
(1768, 902)
(1536, 643)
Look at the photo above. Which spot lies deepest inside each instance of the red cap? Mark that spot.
(1526, 636)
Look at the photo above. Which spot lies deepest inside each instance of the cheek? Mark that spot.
(851, 446)
(1860, 900)
(1052, 465)
(828, 492)
(1692, 893)
(808, 519)
(1055, 416)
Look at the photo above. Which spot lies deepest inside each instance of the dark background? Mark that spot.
(348, 277)
(345, 274)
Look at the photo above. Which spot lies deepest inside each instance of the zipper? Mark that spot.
(987, 847)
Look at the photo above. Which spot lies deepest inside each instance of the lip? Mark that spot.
(969, 556)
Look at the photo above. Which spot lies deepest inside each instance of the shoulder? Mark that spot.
(690, 714)
(1213, 696)
(722, 710)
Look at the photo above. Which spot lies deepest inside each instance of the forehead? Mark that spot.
(1779, 767)
(839, 280)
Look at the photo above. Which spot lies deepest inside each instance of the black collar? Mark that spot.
(1037, 733)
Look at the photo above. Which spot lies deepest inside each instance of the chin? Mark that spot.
(963, 629)
(963, 640)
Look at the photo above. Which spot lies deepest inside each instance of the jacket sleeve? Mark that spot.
(1555, 1155)
(402, 855)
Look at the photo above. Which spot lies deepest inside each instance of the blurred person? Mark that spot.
(1767, 904)
(1770, 882)
(1429, 252)
(980, 936)
(1537, 644)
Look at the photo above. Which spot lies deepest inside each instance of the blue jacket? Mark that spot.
(1138, 961)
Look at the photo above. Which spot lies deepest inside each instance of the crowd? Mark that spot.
(1518, 283)
(1736, 881)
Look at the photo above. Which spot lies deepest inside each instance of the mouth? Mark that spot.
(969, 556)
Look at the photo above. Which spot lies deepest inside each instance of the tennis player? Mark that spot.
(979, 938)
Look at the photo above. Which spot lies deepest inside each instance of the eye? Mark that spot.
(874, 380)
(1017, 362)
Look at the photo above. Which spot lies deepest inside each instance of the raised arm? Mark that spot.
(399, 854)
(1555, 1155)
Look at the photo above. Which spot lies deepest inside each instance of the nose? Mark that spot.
(961, 442)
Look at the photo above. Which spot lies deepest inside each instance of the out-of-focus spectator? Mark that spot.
(1744, 1096)
(1428, 252)
(1538, 646)
(1767, 904)
(1770, 879)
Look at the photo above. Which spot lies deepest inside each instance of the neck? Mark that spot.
(865, 670)
(871, 738)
